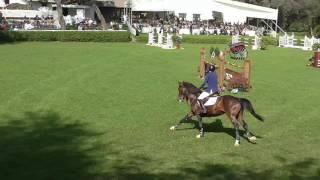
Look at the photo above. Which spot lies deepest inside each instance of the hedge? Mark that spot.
(103, 36)
(206, 39)
(269, 41)
(194, 39)
(80, 36)
(143, 38)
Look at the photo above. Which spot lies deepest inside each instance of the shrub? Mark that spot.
(142, 38)
(206, 39)
(216, 51)
(6, 37)
(177, 39)
(316, 46)
(71, 27)
(269, 41)
(317, 31)
(264, 46)
(298, 27)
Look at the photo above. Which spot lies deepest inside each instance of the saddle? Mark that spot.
(208, 101)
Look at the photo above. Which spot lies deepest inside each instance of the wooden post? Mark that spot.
(202, 63)
(247, 72)
(221, 72)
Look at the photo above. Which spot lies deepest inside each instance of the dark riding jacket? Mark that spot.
(212, 80)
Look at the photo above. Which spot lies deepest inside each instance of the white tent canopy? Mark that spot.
(232, 11)
(2, 4)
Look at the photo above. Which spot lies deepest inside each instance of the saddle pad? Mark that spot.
(211, 101)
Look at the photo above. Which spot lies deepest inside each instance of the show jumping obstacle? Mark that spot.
(255, 44)
(228, 76)
(164, 42)
(316, 62)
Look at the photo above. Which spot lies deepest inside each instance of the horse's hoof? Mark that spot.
(199, 136)
(237, 143)
(252, 139)
(173, 128)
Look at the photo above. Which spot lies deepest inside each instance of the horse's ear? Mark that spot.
(180, 82)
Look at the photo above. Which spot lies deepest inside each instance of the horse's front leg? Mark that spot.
(201, 133)
(187, 117)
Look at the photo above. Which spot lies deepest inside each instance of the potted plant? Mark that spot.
(214, 52)
(178, 40)
(263, 44)
(316, 47)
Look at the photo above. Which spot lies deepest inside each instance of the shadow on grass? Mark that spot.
(44, 145)
(286, 171)
(305, 169)
(216, 127)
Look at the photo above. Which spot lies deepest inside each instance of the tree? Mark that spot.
(60, 15)
(305, 13)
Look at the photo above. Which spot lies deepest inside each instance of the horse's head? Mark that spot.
(186, 90)
(183, 92)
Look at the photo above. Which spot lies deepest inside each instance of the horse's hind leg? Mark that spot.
(187, 117)
(250, 137)
(235, 123)
(245, 126)
(201, 133)
(234, 117)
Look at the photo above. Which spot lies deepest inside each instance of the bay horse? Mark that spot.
(232, 106)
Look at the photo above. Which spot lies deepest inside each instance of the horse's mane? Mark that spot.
(191, 88)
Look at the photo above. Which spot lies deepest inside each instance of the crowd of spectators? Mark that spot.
(81, 23)
(198, 27)
(172, 24)
(48, 23)
(32, 23)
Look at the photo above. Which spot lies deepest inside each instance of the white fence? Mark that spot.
(287, 41)
(309, 42)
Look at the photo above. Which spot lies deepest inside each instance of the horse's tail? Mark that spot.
(246, 104)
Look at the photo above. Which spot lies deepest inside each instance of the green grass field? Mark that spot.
(103, 111)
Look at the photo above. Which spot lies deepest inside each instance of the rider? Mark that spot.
(212, 80)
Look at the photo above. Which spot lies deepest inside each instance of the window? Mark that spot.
(196, 17)
(182, 15)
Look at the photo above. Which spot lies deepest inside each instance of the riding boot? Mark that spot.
(204, 109)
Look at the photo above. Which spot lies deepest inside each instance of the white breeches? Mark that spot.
(203, 95)
(211, 101)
